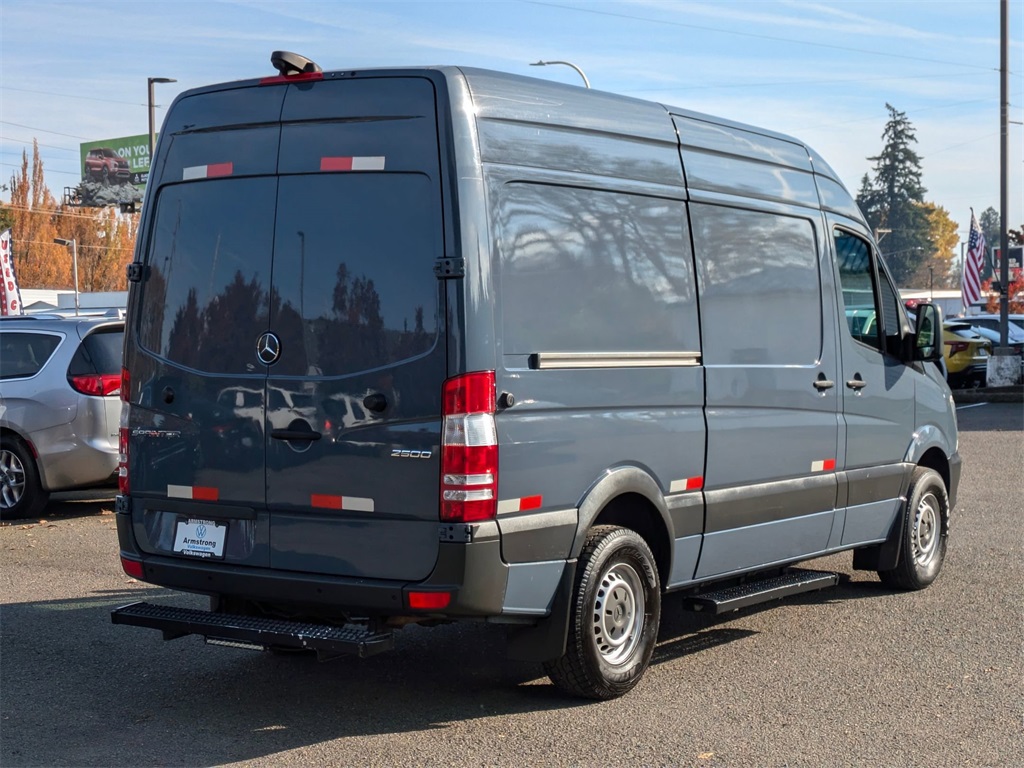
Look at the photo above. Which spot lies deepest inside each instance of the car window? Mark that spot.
(24, 354)
(100, 352)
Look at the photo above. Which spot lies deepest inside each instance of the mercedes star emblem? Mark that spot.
(268, 348)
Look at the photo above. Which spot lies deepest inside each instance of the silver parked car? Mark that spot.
(60, 381)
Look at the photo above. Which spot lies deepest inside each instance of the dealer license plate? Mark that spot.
(200, 538)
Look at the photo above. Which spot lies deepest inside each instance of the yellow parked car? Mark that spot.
(966, 354)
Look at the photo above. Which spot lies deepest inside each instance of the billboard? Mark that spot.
(114, 171)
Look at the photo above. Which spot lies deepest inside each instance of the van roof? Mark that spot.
(535, 98)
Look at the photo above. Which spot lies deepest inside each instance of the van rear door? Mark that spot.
(291, 350)
(354, 398)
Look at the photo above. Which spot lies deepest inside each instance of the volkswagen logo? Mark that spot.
(268, 348)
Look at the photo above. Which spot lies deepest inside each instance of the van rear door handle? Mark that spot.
(295, 434)
(856, 382)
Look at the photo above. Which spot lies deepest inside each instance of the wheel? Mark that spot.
(616, 609)
(105, 176)
(925, 530)
(21, 493)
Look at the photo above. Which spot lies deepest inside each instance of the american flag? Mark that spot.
(971, 292)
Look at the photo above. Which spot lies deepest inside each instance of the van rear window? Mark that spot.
(338, 265)
(206, 296)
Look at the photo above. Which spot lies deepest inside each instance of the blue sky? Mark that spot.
(821, 71)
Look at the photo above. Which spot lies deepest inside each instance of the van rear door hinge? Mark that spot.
(445, 269)
(135, 271)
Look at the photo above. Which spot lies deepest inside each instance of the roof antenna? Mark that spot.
(288, 63)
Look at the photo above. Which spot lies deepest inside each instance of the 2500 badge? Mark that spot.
(399, 453)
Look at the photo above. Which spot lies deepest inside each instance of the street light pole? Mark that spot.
(566, 63)
(152, 108)
(74, 265)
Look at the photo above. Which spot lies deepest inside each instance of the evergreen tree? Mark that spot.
(893, 199)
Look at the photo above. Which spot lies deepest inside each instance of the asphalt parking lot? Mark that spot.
(856, 675)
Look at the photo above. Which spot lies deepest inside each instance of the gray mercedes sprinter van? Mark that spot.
(444, 344)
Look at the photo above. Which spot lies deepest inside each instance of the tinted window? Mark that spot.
(590, 271)
(24, 354)
(100, 352)
(877, 324)
(760, 290)
(205, 296)
(354, 286)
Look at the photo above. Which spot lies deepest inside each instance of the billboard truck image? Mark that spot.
(114, 171)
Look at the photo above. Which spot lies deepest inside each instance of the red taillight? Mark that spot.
(429, 600)
(957, 346)
(123, 486)
(469, 449)
(97, 385)
(132, 567)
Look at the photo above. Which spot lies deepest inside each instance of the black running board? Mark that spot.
(791, 582)
(255, 632)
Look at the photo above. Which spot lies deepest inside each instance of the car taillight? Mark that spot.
(97, 385)
(957, 346)
(469, 449)
(123, 485)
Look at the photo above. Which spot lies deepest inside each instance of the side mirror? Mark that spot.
(928, 333)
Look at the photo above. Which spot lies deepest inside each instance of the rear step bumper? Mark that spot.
(255, 631)
(792, 582)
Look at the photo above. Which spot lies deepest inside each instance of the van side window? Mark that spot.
(856, 278)
(760, 287)
(875, 319)
(584, 270)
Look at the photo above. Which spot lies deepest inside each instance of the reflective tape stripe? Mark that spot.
(194, 492)
(689, 484)
(350, 503)
(210, 171)
(352, 163)
(523, 504)
(823, 466)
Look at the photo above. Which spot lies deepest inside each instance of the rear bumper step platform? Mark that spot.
(255, 631)
(791, 582)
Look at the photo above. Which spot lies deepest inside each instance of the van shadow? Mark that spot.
(69, 673)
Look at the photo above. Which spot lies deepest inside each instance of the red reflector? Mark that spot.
(132, 567)
(429, 600)
(530, 502)
(335, 163)
(219, 169)
(97, 385)
(325, 501)
(278, 79)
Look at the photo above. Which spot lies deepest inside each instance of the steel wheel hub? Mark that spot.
(927, 530)
(618, 615)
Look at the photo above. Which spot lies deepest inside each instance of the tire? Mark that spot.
(615, 612)
(925, 531)
(21, 493)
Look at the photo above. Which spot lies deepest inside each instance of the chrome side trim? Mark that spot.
(545, 360)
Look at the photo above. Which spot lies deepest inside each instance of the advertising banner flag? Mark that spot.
(10, 294)
(971, 292)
